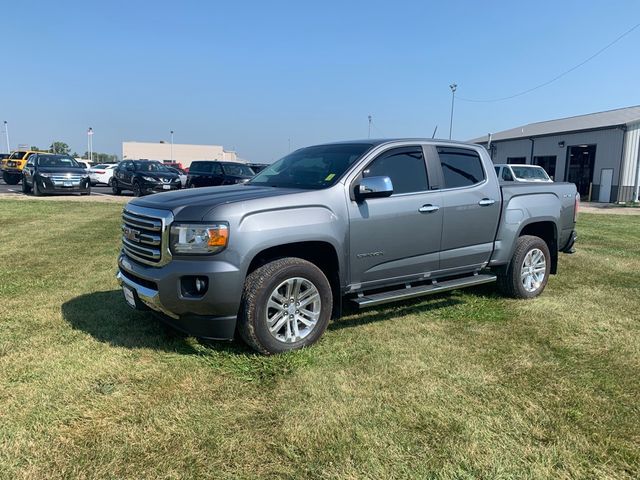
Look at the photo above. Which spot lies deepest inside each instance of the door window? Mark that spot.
(460, 167)
(404, 166)
(216, 169)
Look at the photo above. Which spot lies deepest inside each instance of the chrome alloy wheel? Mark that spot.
(533, 270)
(293, 310)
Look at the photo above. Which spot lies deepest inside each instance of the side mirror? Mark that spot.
(374, 187)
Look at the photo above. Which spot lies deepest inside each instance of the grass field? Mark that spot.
(463, 385)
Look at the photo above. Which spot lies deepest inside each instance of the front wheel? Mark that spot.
(36, 189)
(137, 190)
(25, 187)
(528, 272)
(286, 305)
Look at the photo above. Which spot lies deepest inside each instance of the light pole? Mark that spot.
(6, 133)
(453, 88)
(370, 118)
(90, 144)
(171, 146)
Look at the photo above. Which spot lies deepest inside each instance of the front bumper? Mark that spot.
(47, 185)
(212, 316)
(148, 187)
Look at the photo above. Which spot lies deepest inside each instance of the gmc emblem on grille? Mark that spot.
(131, 234)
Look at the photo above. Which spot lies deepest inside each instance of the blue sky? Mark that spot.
(251, 75)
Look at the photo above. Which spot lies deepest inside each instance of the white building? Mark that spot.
(178, 152)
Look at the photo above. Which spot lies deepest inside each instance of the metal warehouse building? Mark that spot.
(599, 152)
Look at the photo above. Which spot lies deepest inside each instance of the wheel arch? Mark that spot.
(547, 230)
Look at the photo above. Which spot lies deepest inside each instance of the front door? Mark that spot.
(398, 237)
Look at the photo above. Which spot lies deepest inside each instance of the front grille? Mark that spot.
(66, 177)
(144, 234)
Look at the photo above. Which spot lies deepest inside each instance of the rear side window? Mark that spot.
(404, 166)
(460, 167)
(200, 167)
(506, 175)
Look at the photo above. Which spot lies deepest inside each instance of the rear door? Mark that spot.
(471, 203)
(397, 237)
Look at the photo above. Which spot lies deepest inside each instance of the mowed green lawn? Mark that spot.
(462, 385)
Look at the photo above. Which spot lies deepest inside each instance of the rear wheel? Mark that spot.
(115, 189)
(528, 272)
(11, 178)
(286, 305)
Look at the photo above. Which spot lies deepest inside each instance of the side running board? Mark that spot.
(371, 299)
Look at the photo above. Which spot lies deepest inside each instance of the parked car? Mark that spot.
(47, 173)
(182, 174)
(102, 173)
(12, 165)
(521, 173)
(142, 177)
(209, 173)
(369, 222)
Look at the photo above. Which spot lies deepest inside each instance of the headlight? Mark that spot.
(197, 239)
(45, 175)
(150, 179)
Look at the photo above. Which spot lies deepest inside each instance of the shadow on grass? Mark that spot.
(106, 317)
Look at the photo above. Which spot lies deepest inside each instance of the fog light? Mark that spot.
(192, 286)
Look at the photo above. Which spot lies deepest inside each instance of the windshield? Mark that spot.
(151, 167)
(57, 161)
(311, 167)
(530, 173)
(237, 170)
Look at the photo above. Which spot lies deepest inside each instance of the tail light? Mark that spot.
(99, 172)
(576, 207)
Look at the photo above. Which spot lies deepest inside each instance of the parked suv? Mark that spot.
(49, 173)
(212, 173)
(142, 177)
(13, 165)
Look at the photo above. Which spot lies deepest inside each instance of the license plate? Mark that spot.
(67, 184)
(129, 296)
(166, 187)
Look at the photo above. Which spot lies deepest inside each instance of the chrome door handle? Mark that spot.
(428, 208)
(485, 202)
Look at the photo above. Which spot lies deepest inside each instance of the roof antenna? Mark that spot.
(434, 132)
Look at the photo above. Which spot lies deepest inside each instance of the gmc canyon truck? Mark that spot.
(368, 222)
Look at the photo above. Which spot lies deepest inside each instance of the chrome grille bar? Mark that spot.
(145, 234)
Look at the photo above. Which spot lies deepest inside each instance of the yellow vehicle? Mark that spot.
(12, 166)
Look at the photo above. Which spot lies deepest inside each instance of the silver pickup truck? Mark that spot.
(366, 222)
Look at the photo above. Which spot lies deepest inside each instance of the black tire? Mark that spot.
(137, 190)
(11, 178)
(114, 187)
(25, 188)
(510, 282)
(259, 285)
(88, 192)
(36, 189)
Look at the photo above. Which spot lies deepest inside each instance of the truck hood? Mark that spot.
(193, 204)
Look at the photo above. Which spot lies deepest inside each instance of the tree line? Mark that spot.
(62, 148)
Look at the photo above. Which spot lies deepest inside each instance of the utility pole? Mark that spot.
(90, 144)
(171, 146)
(453, 88)
(370, 118)
(6, 133)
